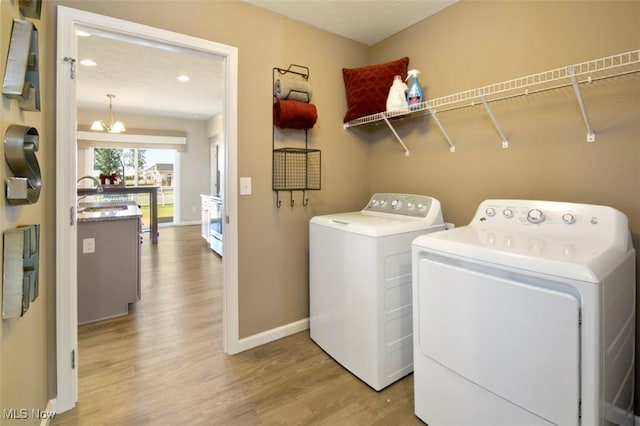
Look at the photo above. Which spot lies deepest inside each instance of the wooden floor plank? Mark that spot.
(163, 363)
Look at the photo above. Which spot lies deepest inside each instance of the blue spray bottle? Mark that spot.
(414, 94)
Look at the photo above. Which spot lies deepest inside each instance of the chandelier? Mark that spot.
(113, 126)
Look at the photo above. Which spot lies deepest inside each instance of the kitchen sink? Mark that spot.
(103, 208)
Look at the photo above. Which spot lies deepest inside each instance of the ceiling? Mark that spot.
(142, 75)
(366, 21)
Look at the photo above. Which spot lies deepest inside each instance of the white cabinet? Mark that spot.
(211, 225)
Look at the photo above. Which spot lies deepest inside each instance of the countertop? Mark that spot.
(115, 210)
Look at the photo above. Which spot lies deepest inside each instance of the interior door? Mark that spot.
(513, 336)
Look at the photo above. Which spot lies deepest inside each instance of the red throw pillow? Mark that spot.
(368, 87)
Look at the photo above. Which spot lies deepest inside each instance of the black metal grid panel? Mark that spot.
(296, 169)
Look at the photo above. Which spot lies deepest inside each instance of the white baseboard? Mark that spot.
(273, 334)
(48, 413)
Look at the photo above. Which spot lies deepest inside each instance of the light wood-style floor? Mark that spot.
(163, 363)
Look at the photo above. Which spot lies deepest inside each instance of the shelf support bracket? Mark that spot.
(452, 147)
(406, 150)
(591, 136)
(505, 142)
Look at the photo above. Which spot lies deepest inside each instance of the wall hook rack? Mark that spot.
(21, 79)
(20, 146)
(294, 168)
(292, 201)
(590, 71)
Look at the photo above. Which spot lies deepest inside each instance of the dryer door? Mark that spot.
(514, 337)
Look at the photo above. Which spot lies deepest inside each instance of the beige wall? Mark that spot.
(24, 363)
(273, 242)
(456, 50)
(548, 157)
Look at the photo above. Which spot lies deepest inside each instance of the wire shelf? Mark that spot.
(597, 69)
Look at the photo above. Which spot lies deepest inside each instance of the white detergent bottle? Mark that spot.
(414, 94)
(397, 98)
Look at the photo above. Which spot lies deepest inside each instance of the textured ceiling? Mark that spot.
(142, 75)
(366, 21)
(143, 78)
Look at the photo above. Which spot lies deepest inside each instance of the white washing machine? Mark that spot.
(360, 284)
(526, 317)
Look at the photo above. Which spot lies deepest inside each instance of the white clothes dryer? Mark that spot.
(360, 284)
(526, 317)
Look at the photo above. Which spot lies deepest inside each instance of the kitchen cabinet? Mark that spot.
(211, 221)
(109, 276)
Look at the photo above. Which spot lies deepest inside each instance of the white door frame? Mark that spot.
(66, 151)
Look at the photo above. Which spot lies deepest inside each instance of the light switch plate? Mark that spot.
(245, 186)
(88, 245)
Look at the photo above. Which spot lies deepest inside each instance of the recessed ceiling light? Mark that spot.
(183, 77)
(81, 33)
(88, 63)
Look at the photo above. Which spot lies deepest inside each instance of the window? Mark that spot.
(135, 167)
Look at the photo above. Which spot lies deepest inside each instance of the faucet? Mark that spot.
(96, 181)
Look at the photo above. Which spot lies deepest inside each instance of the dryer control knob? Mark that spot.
(568, 218)
(508, 213)
(396, 204)
(490, 211)
(535, 216)
(421, 207)
(374, 203)
(410, 205)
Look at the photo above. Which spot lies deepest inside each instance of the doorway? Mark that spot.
(69, 22)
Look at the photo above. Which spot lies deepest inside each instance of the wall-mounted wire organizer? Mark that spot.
(571, 75)
(294, 169)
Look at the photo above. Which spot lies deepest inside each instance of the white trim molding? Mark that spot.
(48, 413)
(69, 20)
(273, 334)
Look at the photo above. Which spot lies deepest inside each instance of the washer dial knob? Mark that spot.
(535, 216)
(490, 211)
(396, 204)
(568, 218)
(508, 213)
(410, 205)
(421, 207)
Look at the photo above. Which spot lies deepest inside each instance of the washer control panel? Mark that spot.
(550, 216)
(402, 204)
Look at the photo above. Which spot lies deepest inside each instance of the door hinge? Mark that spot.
(73, 359)
(580, 409)
(226, 219)
(72, 67)
(579, 317)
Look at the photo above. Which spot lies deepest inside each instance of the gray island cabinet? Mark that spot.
(108, 259)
